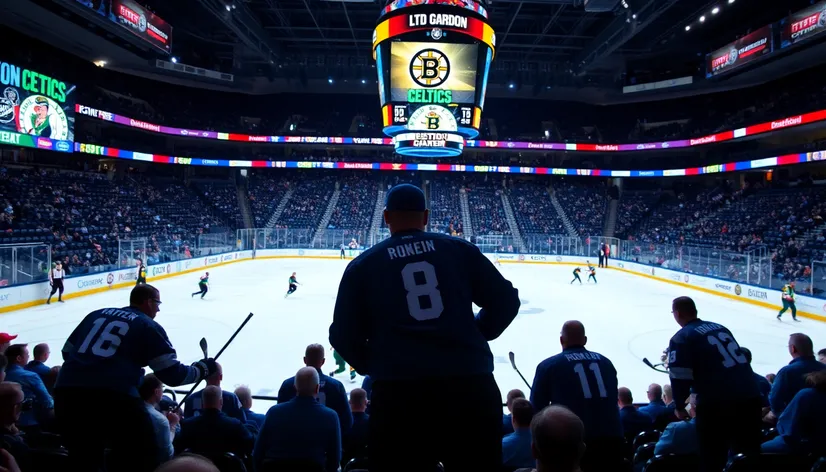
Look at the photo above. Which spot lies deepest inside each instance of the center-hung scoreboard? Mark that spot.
(432, 58)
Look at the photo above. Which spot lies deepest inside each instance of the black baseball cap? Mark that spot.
(405, 197)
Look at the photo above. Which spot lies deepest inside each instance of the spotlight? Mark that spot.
(229, 8)
(730, 2)
(702, 19)
(330, 81)
(174, 60)
(688, 27)
(363, 81)
(634, 16)
(511, 85)
(100, 63)
(715, 10)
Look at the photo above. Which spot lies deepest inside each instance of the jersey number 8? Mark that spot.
(428, 289)
(113, 333)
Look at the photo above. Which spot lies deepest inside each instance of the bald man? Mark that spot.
(212, 430)
(586, 383)
(187, 462)
(704, 358)
(791, 378)
(558, 440)
(301, 429)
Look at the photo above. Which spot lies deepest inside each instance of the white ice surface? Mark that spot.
(626, 318)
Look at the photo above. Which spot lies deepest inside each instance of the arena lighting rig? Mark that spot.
(432, 58)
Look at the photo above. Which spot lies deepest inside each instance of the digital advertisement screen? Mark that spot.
(135, 18)
(35, 104)
(741, 52)
(803, 25)
(433, 72)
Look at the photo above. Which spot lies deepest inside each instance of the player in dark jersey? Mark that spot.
(592, 272)
(141, 273)
(586, 383)
(704, 358)
(203, 285)
(576, 276)
(103, 364)
(404, 315)
(293, 285)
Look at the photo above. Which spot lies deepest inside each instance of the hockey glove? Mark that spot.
(206, 367)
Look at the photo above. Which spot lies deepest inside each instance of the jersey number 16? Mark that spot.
(112, 333)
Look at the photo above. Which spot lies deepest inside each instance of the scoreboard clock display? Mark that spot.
(432, 58)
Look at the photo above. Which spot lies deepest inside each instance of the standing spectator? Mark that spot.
(164, 425)
(656, 406)
(231, 404)
(801, 427)
(507, 423)
(516, 446)
(633, 421)
(42, 411)
(331, 392)
(586, 383)
(354, 442)
(414, 293)
(792, 378)
(245, 397)
(558, 440)
(680, 437)
(212, 431)
(103, 360)
(301, 429)
(5, 341)
(705, 357)
(56, 276)
(38, 366)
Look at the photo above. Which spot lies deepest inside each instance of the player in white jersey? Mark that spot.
(56, 276)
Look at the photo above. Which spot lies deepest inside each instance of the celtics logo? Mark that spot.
(429, 68)
(42, 116)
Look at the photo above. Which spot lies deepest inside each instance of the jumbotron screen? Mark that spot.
(433, 61)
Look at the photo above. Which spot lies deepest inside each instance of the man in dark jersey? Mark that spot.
(102, 369)
(704, 358)
(586, 383)
(404, 315)
(576, 276)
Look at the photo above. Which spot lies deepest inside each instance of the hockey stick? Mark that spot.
(653, 366)
(203, 345)
(511, 356)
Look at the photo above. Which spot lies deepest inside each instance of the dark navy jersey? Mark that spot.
(405, 306)
(110, 347)
(586, 383)
(704, 357)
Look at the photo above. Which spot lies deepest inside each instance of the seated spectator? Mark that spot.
(507, 424)
(558, 440)
(633, 421)
(762, 384)
(164, 425)
(354, 442)
(232, 406)
(821, 355)
(668, 415)
(245, 397)
(11, 404)
(212, 431)
(516, 446)
(300, 429)
(5, 341)
(331, 391)
(791, 378)
(38, 366)
(33, 387)
(801, 427)
(680, 437)
(656, 406)
(188, 463)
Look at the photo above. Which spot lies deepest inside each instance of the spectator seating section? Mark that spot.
(584, 202)
(487, 214)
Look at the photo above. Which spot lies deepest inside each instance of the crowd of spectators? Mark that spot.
(356, 203)
(487, 212)
(585, 203)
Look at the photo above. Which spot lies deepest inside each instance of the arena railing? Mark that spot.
(24, 263)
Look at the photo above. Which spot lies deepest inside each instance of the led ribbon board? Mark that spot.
(432, 60)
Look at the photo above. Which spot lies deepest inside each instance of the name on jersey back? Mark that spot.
(411, 249)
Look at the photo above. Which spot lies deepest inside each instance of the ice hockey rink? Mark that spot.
(626, 317)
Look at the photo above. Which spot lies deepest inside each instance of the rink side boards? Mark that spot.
(24, 296)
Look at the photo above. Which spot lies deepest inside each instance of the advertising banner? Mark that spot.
(803, 25)
(35, 104)
(741, 52)
(137, 19)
